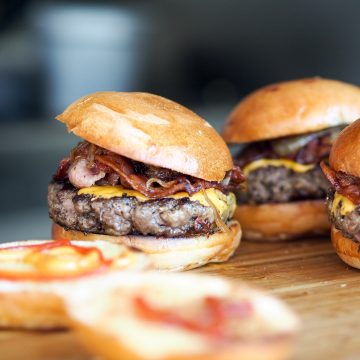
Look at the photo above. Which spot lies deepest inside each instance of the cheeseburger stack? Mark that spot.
(344, 197)
(150, 174)
(287, 129)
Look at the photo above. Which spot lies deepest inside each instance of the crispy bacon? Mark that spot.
(312, 153)
(62, 170)
(343, 183)
(315, 151)
(124, 170)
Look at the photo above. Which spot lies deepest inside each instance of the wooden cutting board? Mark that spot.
(307, 274)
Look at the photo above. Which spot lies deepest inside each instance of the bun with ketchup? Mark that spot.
(150, 174)
(286, 129)
(343, 173)
(180, 316)
(35, 275)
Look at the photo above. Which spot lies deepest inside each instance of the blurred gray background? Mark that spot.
(205, 54)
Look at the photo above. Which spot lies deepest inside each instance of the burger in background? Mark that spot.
(344, 197)
(286, 129)
(150, 174)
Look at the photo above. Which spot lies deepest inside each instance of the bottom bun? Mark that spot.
(170, 254)
(276, 222)
(347, 249)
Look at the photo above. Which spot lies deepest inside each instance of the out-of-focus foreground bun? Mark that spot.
(182, 316)
(34, 273)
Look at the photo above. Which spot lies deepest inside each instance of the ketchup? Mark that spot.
(211, 320)
(40, 254)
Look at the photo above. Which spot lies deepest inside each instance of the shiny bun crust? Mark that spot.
(277, 222)
(292, 107)
(345, 153)
(150, 129)
(170, 254)
(347, 249)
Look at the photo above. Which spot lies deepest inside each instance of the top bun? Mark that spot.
(150, 129)
(345, 152)
(292, 108)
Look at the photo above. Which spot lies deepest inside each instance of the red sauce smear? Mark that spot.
(42, 248)
(211, 322)
(343, 183)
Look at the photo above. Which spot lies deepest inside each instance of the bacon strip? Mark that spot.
(312, 153)
(343, 183)
(104, 160)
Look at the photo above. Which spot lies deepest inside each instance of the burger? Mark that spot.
(343, 173)
(149, 174)
(285, 130)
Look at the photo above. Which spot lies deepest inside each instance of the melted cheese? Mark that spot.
(225, 204)
(292, 165)
(342, 202)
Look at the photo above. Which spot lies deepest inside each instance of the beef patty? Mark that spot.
(278, 184)
(127, 215)
(349, 223)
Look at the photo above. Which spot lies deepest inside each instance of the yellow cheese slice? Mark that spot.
(293, 165)
(225, 204)
(343, 202)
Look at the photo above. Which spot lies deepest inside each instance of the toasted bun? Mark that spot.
(170, 254)
(345, 152)
(347, 249)
(30, 304)
(291, 108)
(150, 129)
(110, 328)
(275, 222)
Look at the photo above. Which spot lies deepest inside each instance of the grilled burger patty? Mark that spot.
(349, 223)
(127, 215)
(279, 184)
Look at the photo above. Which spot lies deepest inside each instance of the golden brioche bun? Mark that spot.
(110, 328)
(345, 152)
(36, 304)
(291, 108)
(170, 254)
(275, 222)
(347, 249)
(150, 129)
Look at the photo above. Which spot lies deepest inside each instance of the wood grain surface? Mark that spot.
(307, 274)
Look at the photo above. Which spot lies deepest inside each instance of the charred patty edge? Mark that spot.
(280, 184)
(126, 215)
